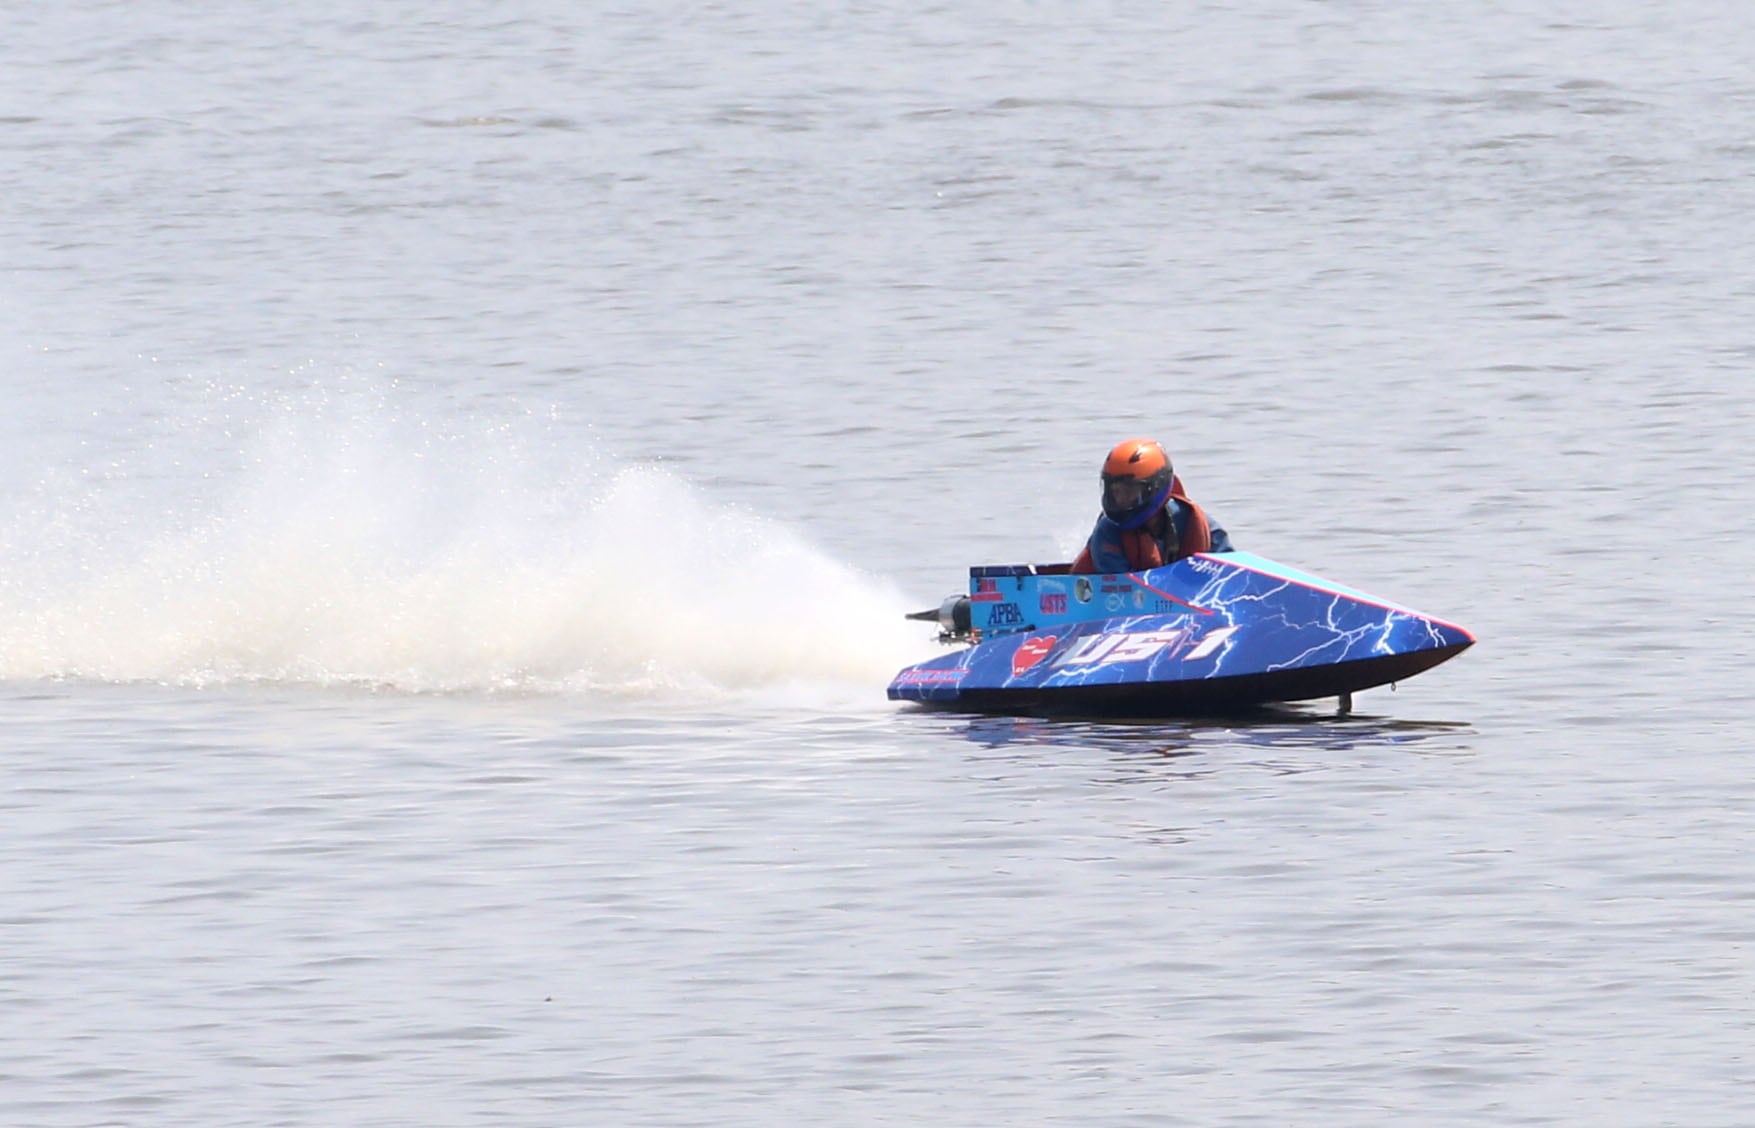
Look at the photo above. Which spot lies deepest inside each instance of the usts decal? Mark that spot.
(1136, 646)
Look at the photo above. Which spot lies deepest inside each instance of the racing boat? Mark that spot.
(1212, 632)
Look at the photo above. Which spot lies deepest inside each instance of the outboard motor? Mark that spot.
(952, 617)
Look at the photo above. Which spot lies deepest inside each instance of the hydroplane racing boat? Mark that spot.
(1213, 632)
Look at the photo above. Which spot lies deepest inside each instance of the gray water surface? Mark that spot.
(464, 471)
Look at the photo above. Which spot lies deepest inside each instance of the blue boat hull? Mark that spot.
(1211, 633)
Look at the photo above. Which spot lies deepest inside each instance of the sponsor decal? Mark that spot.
(1005, 615)
(918, 677)
(1164, 595)
(1112, 602)
(1053, 603)
(1082, 590)
(1031, 652)
(986, 591)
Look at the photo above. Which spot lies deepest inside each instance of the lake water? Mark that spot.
(464, 470)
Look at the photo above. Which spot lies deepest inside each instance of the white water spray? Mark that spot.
(339, 546)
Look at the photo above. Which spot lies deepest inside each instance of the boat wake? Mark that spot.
(332, 552)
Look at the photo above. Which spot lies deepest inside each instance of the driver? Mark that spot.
(1147, 521)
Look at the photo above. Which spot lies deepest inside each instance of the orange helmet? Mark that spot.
(1136, 481)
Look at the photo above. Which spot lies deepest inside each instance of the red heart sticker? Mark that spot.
(1031, 653)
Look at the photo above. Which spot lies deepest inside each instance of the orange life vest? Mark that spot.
(1144, 550)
